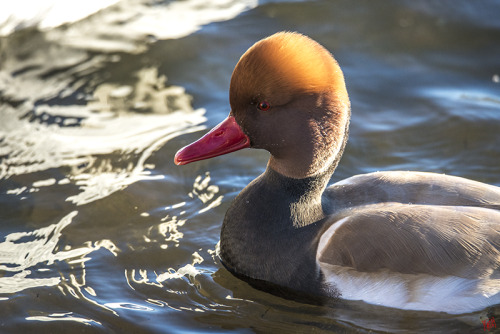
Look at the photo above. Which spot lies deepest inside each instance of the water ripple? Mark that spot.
(109, 149)
(27, 259)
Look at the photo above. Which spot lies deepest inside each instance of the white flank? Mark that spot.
(450, 294)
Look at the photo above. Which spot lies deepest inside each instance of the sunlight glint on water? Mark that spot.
(101, 232)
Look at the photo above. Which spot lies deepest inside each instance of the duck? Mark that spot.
(401, 239)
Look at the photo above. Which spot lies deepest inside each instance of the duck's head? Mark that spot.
(287, 96)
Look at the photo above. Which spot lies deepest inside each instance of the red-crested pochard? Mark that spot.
(409, 240)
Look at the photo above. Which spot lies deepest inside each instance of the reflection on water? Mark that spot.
(168, 232)
(62, 317)
(100, 232)
(205, 192)
(21, 252)
(37, 259)
(21, 14)
(103, 132)
(141, 276)
(28, 258)
(121, 27)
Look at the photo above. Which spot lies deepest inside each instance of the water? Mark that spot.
(101, 232)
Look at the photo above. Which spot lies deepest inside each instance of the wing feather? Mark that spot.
(414, 239)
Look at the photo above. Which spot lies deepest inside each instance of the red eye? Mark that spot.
(264, 106)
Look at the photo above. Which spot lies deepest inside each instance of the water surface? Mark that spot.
(101, 232)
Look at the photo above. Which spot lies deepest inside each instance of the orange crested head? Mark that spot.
(279, 67)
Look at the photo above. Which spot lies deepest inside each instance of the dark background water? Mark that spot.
(101, 232)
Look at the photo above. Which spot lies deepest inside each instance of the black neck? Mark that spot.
(262, 238)
(303, 196)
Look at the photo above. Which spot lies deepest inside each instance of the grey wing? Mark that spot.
(411, 239)
(410, 187)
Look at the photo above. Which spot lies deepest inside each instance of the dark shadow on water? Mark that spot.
(263, 312)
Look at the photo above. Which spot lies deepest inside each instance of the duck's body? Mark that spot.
(409, 240)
